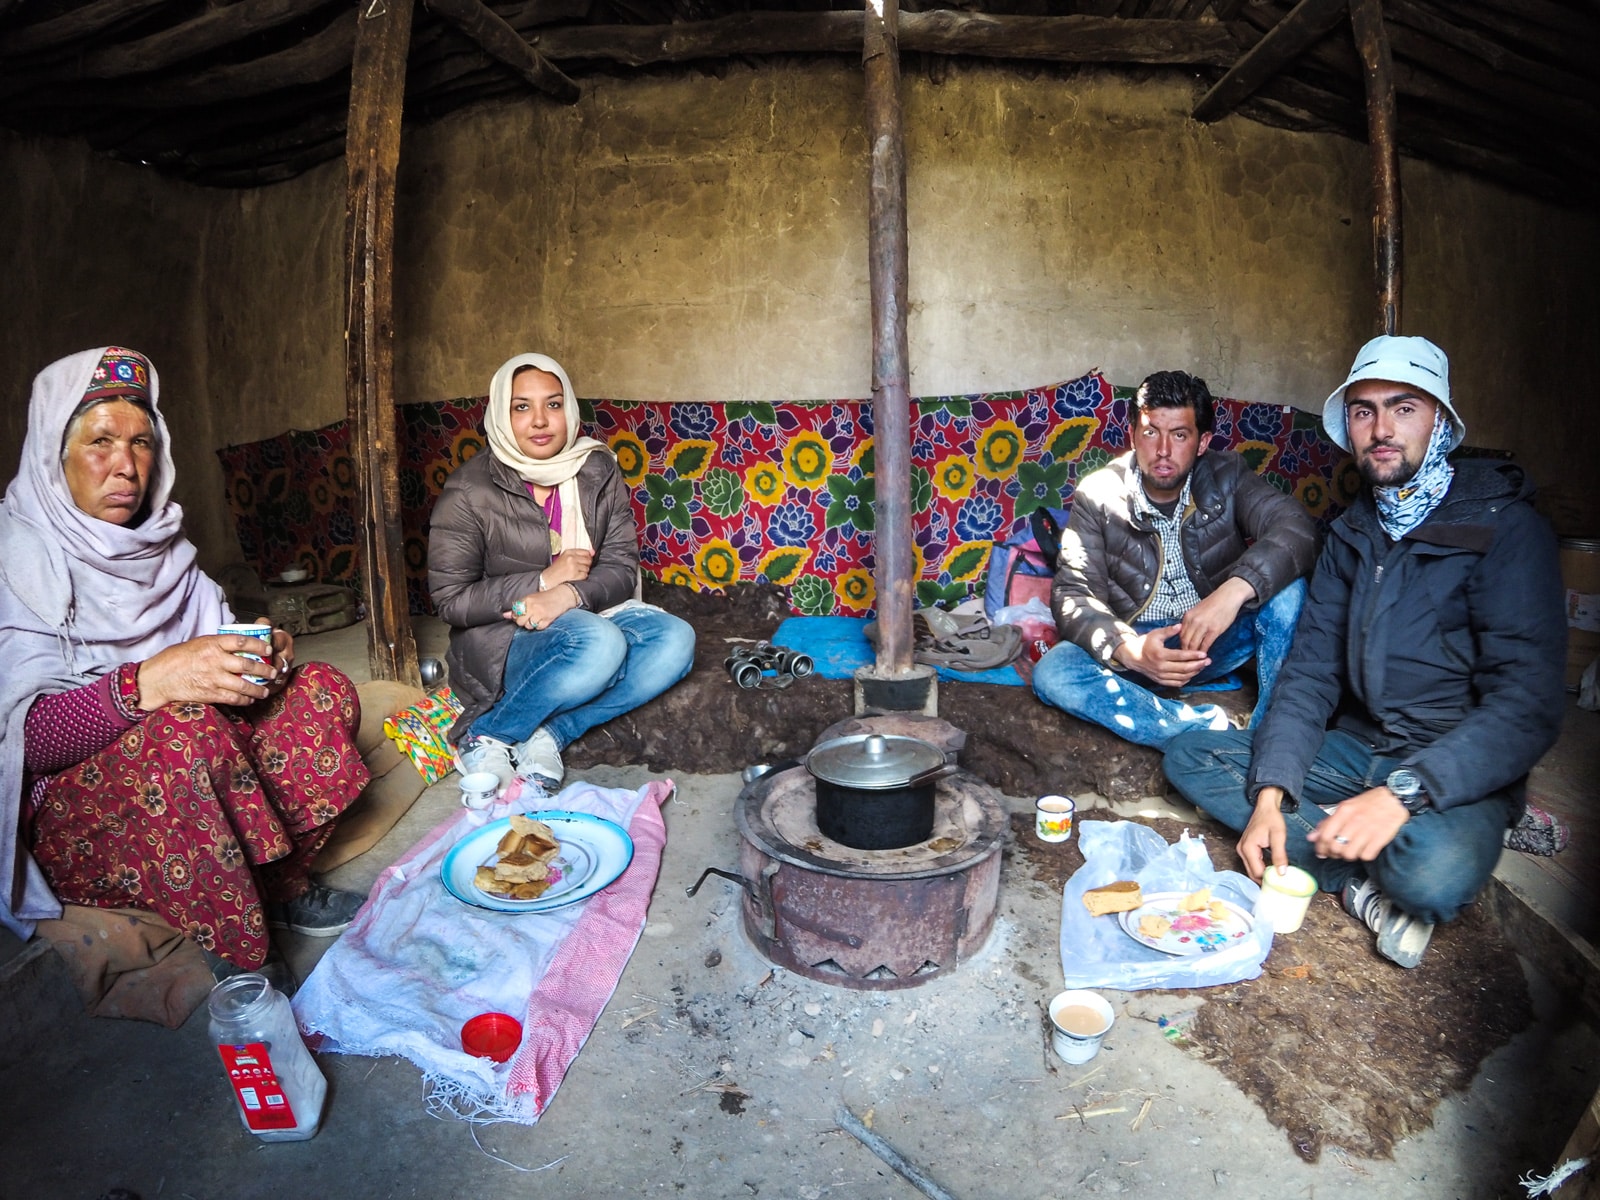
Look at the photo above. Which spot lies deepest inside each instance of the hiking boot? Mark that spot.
(486, 754)
(1401, 937)
(317, 912)
(539, 759)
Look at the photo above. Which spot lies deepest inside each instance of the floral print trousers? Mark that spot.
(201, 813)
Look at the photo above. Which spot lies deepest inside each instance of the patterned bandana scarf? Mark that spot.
(1402, 509)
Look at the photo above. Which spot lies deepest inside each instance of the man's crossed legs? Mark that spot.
(1072, 680)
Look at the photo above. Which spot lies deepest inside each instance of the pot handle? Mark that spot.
(761, 896)
(930, 775)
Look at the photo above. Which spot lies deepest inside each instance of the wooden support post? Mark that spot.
(372, 155)
(1366, 17)
(891, 395)
(1283, 43)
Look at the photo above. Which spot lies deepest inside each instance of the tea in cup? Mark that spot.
(1079, 1022)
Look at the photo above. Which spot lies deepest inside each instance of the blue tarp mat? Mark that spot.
(838, 646)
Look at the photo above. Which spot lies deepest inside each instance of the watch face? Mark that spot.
(1404, 782)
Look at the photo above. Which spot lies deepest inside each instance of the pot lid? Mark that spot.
(873, 760)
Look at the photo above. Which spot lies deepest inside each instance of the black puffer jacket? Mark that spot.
(1444, 649)
(488, 543)
(1237, 524)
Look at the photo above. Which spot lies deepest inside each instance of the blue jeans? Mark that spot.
(1436, 864)
(1123, 702)
(583, 669)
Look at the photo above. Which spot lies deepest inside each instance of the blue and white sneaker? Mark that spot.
(1401, 937)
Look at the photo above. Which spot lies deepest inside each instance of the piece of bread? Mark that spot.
(523, 857)
(1154, 927)
(1196, 901)
(537, 837)
(1218, 910)
(1122, 896)
(520, 867)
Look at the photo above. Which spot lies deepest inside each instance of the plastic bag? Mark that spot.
(1095, 952)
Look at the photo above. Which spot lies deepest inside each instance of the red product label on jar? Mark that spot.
(255, 1086)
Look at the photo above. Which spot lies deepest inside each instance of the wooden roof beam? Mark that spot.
(212, 30)
(92, 20)
(943, 31)
(501, 42)
(1287, 40)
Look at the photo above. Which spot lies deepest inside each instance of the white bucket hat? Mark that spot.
(1412, 360)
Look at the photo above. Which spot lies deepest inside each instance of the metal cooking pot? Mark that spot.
(875, 791)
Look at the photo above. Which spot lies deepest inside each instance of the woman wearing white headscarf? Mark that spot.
(531, 551)
(139, 766)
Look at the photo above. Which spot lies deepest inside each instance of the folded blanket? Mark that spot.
(417, 963)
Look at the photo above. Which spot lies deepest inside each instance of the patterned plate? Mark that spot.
(1189, 932)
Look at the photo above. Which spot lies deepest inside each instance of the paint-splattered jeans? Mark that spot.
(1434, 867)
(1070, 678)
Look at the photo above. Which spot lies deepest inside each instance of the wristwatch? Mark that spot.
(1406, 784)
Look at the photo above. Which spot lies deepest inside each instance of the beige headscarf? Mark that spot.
(560, 472)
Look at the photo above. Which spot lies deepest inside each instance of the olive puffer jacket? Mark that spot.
(488, 543)
(1444, 649)
(1237, 525)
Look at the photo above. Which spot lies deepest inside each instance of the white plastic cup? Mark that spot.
(1284, 898)
(1052, 817)
(255, 629)
(1079, 1022)
(479, 789)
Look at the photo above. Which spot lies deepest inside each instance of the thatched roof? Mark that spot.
(248, 92)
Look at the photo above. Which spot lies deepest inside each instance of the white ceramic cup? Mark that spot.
(1052, 817)
(1079, 1022)
(255, 629)
(479, 789)
(1284, 898)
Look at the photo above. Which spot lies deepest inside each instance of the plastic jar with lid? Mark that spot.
(276, 1083)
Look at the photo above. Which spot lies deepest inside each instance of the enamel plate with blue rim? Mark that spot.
(594, 852)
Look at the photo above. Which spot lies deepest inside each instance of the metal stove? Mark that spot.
(869, 919)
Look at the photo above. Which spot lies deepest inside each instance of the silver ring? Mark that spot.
(519, 609)
(1342, 840)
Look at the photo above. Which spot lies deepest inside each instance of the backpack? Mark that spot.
(1023, 566)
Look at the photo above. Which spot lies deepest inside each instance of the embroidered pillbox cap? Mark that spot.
(120, 373)
(1410, 360)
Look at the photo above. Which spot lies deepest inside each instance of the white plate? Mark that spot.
(594, 851)
(1191, 933)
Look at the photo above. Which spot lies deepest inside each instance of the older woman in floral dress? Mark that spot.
(141, 766)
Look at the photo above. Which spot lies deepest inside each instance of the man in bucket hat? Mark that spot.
(1425, 678)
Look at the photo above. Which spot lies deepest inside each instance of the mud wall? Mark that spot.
(690, 237)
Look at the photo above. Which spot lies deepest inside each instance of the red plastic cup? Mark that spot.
(492, 1035)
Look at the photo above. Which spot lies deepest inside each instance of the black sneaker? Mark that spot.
(318, 912)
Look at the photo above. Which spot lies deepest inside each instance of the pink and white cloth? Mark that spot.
(417, 963)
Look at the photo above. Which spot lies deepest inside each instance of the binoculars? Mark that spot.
(748, 665)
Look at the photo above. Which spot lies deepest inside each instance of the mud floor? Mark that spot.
(1338, 1046)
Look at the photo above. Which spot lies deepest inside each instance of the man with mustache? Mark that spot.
(1178, 565)
(1425, 680)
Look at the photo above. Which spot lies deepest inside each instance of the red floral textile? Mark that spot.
(783, 492)
(200, 814)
